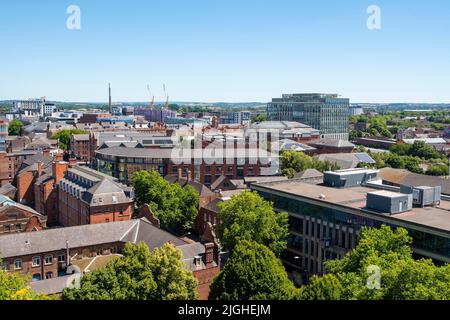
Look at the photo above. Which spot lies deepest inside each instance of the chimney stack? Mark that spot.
(73, 162)
(180, 173)
(209, 254)
(110, 100)
(39, 169)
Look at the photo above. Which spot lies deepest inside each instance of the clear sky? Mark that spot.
(233, 50)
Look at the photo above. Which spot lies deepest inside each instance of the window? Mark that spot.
(107, 220)
(113, 250)
(62, 258)
(5, 266)
(36, 277)
(17, 264)
(36, 262)
(7, 228)
(48, 260)
(49, 275)
(18, 227)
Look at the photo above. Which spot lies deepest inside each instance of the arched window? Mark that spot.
(37, 277)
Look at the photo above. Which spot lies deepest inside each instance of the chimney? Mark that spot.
(46, 152)
(58, 157)
(180, 173)
(189, 175)
(73, 162)
(59, 170)
(209, 254)
(39, 169)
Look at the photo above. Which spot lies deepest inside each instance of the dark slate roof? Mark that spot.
(7, 189)
(134, 231)
(309, 173)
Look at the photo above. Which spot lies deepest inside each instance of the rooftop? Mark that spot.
(134, 231)
(355, 199)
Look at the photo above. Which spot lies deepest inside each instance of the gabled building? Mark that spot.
(86, 196)
(48, 255)
(15, 218)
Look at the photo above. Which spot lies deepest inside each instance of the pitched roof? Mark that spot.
(183, 182)
(399, 176)
(308, 174)
(134, 231)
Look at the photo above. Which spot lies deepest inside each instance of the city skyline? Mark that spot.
(225, 52)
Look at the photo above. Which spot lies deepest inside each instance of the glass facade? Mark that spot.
(326, 113)
(318, 234)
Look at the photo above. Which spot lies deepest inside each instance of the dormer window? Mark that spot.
(198, 261)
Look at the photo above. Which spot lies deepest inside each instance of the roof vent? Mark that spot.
(322, 196)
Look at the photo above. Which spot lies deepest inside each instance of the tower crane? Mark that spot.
(166, 105)
(152, 103)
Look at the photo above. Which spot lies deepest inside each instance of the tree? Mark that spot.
(422, 150)
(139, 275)
(293, 162)
(16, 287)
(438, 170)
(64, 136)
(174, 206)
(253, 272)
(327, 287)
(259, 118)
(249, 217)
(400, 276)
(15, 128)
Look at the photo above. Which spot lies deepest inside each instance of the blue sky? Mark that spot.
(234, 50)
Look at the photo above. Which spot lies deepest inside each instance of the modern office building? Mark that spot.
(356, 111)
(325, 112)
(325, 220)
(34, 107)
(235, 117)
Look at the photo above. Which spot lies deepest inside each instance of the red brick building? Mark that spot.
(46, 255)
(86, 196)
(15, 218)
(80, 147)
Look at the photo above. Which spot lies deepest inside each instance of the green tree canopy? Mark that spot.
(400, 276)
(15, 128)
(64, 136)
(139, 275)
(253, 272)
(16, 287)
(174, 206)
(248, 216)
(293, 162)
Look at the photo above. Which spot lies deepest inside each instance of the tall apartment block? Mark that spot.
(34, 108)
(235, 118)
(325, 112)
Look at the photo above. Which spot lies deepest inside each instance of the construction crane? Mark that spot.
(152, 103)
(166, 105)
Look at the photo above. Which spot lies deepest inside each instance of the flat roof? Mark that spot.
(388, 194)
(355, 199)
